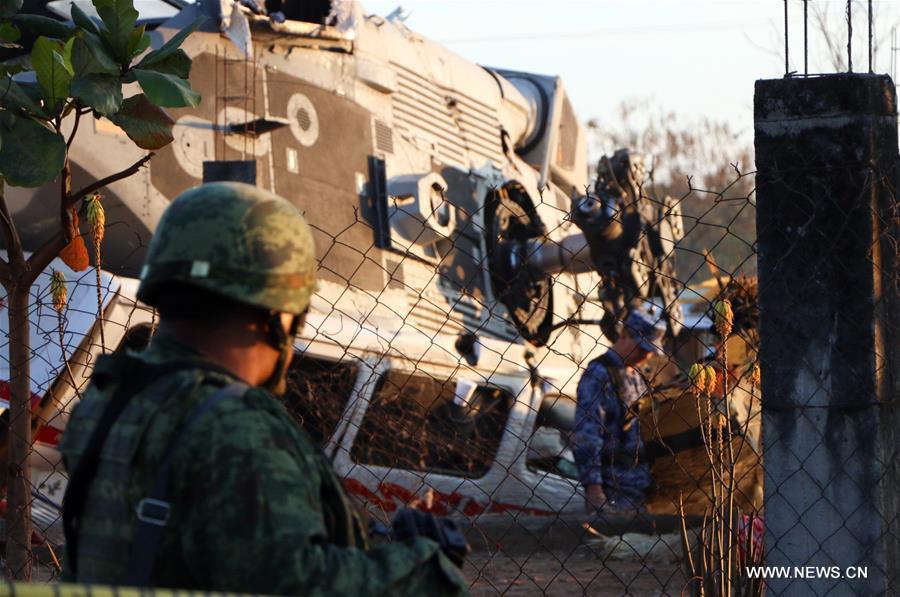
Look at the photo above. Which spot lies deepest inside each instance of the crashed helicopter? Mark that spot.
(468, 269)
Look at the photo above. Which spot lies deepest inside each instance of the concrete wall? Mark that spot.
(826, 150)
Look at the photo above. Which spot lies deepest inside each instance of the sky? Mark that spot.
(696, 58)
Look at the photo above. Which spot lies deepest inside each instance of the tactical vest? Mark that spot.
(106, 528)
(630, 412)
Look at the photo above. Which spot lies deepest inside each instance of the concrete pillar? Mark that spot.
(826, 154)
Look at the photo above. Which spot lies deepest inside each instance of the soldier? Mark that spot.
(186, 472)
(607, 439)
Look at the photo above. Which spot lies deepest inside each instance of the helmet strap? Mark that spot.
(283, 342)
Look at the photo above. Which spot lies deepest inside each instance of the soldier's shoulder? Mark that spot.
(254, 415)
(597, 368)
(248, 431)
(82, 417)
(252, 401)
(595, 379)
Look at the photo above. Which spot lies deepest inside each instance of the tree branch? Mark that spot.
(14, 254)
(42, 257)
(74, 129)
(13, 242)
(5, 273)
(96, 186)
(65, 189)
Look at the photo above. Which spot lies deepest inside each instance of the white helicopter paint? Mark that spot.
(331, 96)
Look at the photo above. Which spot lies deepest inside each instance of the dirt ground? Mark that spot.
(615, 565)
(606, 569)
(583, 571)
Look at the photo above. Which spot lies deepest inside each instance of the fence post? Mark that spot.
(826, 151)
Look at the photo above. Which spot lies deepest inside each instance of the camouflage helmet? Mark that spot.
(234, 240)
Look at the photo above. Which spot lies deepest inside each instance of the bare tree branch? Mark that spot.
(836, 53)
(15, 257)
(42, 257)
(96, 186)
(13, 242)
(65, 189)
(5, 273)
(834, 35)
(74, 130)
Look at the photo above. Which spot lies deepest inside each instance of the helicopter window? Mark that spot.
(548, 446)
(317, 392)
(414, 423)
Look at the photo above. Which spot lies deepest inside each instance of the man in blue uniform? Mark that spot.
(607, 440)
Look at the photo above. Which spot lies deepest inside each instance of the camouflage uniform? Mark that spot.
(260, 511)
(255, 507)
(607, 440)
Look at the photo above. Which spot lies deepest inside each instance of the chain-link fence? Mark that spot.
(414, 376)
(466, 352)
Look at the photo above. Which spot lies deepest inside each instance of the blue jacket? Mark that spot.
(607, 440)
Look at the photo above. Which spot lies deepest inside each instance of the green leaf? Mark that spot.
(67, 54)
(170, 47)
(31, 154)
(138, 42)
(14, 96)
(38, 25)
(15, 65)
(146, 124)
(89, 55)
(177, 63)
(103, 93)
(119, 17)
(9, 8)
(82, 21)
(83, 61)
(8, 32)
(51, 60)
(167, 90)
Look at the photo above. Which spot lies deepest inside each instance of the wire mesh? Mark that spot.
(423, 393)
(438, 372)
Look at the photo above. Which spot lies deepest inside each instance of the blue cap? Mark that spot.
(647, 329)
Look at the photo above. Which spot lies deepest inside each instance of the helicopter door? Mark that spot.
(549, 446)
(531, 440)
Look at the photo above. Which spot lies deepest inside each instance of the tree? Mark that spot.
(828, 30)
(703, 164)
(71, 72)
